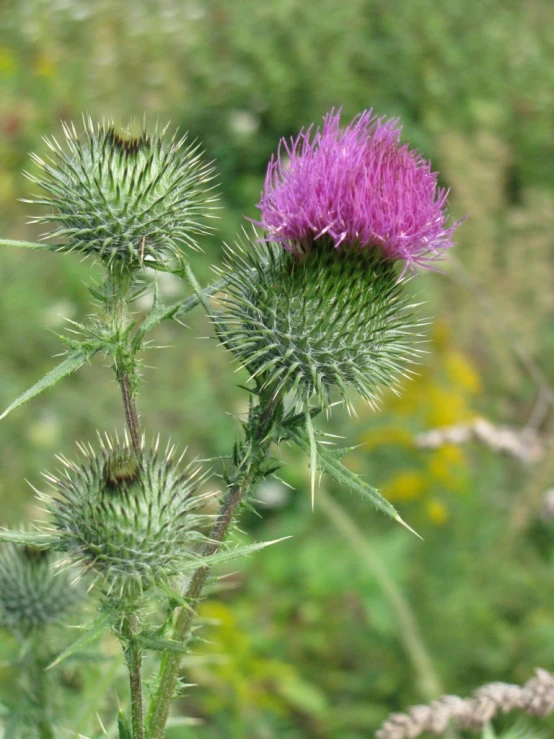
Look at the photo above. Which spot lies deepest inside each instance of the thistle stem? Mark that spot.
(187, 305)
(254, 454)
(133, 657)
(129, 405)
(198, 292)
(118, 286)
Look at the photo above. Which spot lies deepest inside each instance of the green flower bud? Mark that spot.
(135, 521)
(308, 323)
(32, 592)
(124, 197)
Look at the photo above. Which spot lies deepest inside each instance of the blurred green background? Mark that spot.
(323, 635)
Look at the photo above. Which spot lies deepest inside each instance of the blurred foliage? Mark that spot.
(307, 643)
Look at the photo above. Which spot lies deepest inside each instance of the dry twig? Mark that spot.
(536, 698)
(525, 445)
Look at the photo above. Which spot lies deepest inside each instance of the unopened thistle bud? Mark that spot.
(124, 197)
(33, 593)
(320, 305)
(308, 324)
(133, 520)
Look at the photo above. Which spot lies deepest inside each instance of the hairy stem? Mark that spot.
(133, 658)
(131, 415)
(199, 293)
(118, 287)
(254, 453)
(190, 303)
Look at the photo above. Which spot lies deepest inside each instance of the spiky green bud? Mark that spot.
(308, 323)
(123, 197)
(32, 592)
(134, 520)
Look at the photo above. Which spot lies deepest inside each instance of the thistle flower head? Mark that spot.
(359, 187)
(329, 319)
(33, 593)
(121, 196)
(134, 520)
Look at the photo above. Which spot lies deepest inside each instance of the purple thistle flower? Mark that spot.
(359, 186)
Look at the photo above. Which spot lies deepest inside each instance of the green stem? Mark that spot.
(254, 453)
(198, 292)
(118, 286)
(133, 658)
(182, 307)
(190, 303)
(131, 415)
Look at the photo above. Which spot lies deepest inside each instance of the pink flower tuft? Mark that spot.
(359, 186)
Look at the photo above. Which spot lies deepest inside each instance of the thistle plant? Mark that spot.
(123, 197)
(327, 310)
(117, 504)
(36, 596)
(33, 594)
(313, 304)
(359, 186)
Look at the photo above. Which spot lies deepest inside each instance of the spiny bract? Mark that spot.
(308, 323)
(33, 593)
(124, 197)
(135, 520)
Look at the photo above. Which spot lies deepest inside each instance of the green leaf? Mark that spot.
(161, 645)
(161, 312)
(297, 420)
(29, 538)
(177, 721)
(190, 303)
(285, 427)
(338, 452)
(313, 454)
(178, 599)
(327, 462)
(228, 554)
(72, 362)
(28, 244)
(93, 631)
(123, 726)
(157, 315)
